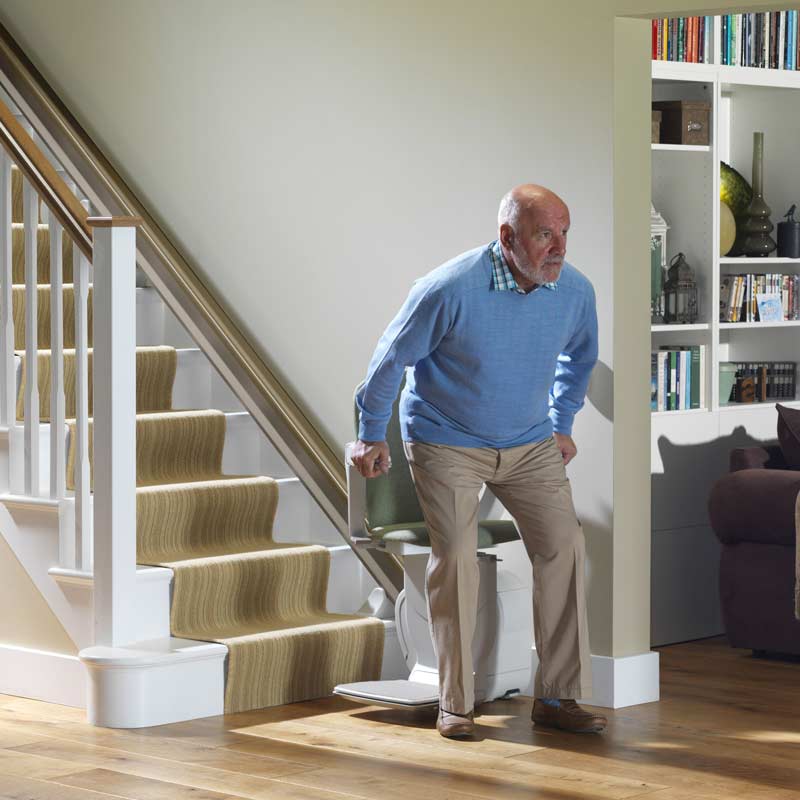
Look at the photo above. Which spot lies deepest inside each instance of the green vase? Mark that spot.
(756, 226)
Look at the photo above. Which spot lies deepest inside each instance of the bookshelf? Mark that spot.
(690, 448)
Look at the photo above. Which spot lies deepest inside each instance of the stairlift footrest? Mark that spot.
(393, 694)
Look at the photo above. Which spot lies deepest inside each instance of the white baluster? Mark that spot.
(31, 433)
(57, 457)
(8, 380)
(83, 515)
(114, 368)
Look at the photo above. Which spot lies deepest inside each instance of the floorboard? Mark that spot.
(727, 726)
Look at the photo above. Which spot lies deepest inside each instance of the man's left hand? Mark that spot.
(566, 446)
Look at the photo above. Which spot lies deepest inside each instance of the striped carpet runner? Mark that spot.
(233, 583)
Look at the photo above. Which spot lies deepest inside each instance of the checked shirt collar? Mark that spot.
(502, 279)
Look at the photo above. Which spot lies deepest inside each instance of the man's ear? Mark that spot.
(506, 235)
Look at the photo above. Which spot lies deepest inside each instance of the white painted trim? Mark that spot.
(41, 675)
(21, 501)
(114, 434)
(77, 577)
(154, 683)
(30, 202)
(8, 386)
(621, 682)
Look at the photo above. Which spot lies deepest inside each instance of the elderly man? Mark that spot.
(502, 341)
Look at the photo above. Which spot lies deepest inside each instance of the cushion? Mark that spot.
(789, 434)
(490, 533)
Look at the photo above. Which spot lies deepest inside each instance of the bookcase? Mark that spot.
(690, 448)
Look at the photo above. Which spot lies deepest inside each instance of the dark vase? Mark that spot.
(756, 225)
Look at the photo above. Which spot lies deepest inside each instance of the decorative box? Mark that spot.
(655, 135)
(684, 121)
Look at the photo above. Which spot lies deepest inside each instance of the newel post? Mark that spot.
(114, 434)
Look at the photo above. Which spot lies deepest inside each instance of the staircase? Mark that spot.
(205, 521)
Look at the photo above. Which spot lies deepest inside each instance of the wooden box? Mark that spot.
(655, 131)
(684, 121)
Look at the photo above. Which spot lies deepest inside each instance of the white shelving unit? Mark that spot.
(690, 449)
(682, 148)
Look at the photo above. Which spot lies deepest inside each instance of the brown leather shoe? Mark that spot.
(569, 716)
(455, 726)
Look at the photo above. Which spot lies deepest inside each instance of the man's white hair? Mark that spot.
(510, 211)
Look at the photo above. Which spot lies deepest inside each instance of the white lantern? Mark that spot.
(658, 264)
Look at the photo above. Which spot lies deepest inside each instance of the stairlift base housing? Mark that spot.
(501, 646)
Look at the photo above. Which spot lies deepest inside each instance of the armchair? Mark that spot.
(753, 512)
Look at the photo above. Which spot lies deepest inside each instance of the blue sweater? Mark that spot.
(490, 368)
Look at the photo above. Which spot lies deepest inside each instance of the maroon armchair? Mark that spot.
(752, 512)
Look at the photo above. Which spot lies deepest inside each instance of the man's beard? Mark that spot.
(535, 274)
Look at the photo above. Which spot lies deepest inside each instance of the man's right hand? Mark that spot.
(371, 459)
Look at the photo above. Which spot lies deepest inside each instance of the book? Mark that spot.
(662, 381)
(724, 297)
(654, 381)
(769, 307)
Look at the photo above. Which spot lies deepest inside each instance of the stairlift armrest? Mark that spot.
(356, 500)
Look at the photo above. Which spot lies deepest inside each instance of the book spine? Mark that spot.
(663, 384)
(673, 380)
(654, 381)
(782, 40)
(724, 22)
(701, 40)
(694, 378)
(702, 386)
(665, 39)
(654, 39)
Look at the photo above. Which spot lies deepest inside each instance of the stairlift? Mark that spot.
(384, 513)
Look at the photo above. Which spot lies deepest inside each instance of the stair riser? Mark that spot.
(300, 519)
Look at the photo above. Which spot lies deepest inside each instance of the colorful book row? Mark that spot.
(738, 296)
(687, 39)
(677, 379)
(765, 39)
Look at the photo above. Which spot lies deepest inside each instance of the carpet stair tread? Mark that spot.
(210, 517)
(43, 316)
(268, 609)
(155, 376)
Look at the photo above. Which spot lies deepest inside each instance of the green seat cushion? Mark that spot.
(490, 533)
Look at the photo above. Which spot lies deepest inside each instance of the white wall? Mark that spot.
(311, 159)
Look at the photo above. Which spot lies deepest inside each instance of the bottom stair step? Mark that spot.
(290, 664)
(155, 682)
(268, 609)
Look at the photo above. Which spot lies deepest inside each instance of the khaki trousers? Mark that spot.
(531, 482)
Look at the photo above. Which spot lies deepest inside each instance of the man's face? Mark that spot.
(541, 243)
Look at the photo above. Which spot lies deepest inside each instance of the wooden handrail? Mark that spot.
(49, 185)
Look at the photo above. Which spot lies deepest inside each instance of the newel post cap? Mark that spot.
(114, 222)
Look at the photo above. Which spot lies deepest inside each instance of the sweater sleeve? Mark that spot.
(413, 334)
(574, 368)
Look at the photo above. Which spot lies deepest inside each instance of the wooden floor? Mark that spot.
(728, 726)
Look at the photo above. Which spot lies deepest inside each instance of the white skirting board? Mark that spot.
(621, 682)
(52, 677)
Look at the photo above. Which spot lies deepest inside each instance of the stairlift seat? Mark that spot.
(490, 533)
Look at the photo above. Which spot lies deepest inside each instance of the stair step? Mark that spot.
(154, 682)
(171, 447)
(268, 608)
(42, 254)
(208, 518)
(43, 316)
(155, 376)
